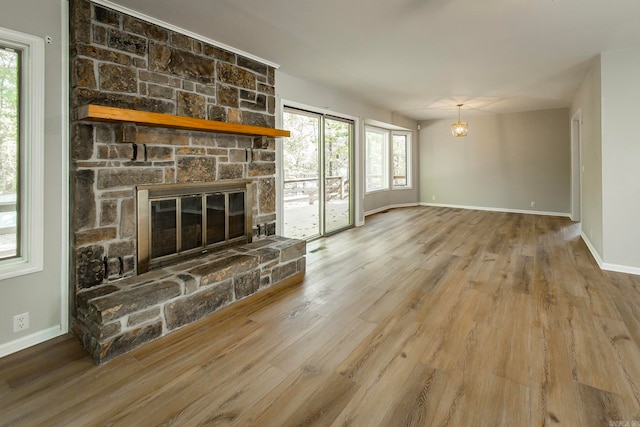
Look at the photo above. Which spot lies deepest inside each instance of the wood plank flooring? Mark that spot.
(425, 316)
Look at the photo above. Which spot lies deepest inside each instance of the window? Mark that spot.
(401, 160)
(21, 152)
(379, 143)
(377, 159)
(317, 173)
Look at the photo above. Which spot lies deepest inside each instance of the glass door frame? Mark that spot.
(355, 194)
(319, 161)
(352, 149)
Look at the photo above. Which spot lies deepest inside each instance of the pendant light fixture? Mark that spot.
(459, 128)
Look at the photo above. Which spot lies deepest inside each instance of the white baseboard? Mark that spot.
(491, 209)
(621, 268)
(592, 249)
(401, 205)
(30, 340)
(618, 268)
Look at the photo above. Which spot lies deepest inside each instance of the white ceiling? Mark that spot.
(421, 57)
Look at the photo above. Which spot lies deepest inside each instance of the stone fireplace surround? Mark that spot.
(121, 61)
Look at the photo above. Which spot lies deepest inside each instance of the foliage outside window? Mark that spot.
(377, 159)
(337, 134)
(301, 155)
(401, 160)
(9, 152)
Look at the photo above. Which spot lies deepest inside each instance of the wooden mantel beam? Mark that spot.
(98, 113)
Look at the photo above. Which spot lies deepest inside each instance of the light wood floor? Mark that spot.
(425, 316)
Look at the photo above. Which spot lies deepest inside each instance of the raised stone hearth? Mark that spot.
(117, 317)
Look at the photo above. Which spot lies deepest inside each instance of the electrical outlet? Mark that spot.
(20, 322)
(433, 197)
(533, 204)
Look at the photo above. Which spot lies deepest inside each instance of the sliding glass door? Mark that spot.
(317, 169)
(301, 170)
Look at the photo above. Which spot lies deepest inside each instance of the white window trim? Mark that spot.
(32, 154)
(387, 150)
(391, 131)
(409, 160)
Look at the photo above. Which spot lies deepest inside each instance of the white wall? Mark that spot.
(587, 101)
(291, 88)
(621, 157)
(506, 162)
(43, 294)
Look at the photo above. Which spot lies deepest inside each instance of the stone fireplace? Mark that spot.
(121, 61)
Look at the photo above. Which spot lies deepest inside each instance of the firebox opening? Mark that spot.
(178, 221)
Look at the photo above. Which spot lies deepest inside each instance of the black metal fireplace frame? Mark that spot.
(146, 194)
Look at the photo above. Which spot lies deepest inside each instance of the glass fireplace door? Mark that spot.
(178, 221)
(164, 226)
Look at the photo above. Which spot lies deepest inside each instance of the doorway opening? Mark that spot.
(318, 174)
